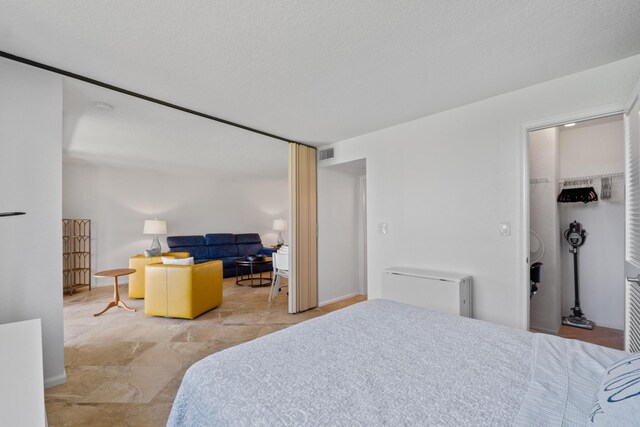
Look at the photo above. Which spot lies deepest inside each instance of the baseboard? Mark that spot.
(104, 284)
(57, 380)
(551, 332)
(101, 285)
(608, 326)
(543, 330)
(331, 301)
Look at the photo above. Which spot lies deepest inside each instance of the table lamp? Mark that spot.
(279, 225)
(155, 226)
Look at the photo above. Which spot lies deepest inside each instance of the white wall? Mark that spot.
(31, 181)
(546, 311)
(592, 150)
(118, 200)
(338, 223)
(444, 182)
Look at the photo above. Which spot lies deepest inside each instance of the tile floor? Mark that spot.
(124, 369)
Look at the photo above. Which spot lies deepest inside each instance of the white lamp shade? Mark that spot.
(279, 224)
(155, 226)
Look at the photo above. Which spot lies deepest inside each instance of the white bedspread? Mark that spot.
(386, 363)
(566, 375)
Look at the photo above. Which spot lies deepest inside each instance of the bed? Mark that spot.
(385, 363)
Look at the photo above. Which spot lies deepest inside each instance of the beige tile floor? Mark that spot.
(124, 369)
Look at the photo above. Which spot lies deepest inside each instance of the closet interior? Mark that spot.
(577, 221)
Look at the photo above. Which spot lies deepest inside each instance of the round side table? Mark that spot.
(250, 280)
(116, 295)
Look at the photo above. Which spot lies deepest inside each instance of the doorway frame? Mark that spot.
(363, 282)
(525, 214)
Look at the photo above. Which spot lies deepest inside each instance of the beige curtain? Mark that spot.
(303, 273)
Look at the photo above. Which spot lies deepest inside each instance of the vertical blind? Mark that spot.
(632, 141)
(303, 271)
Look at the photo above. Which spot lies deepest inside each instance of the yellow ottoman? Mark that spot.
(184, 291)
(138, 262)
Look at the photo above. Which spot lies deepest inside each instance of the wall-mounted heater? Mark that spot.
(436, 290)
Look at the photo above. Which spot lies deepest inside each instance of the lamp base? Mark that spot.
(280, 239)
(155, 244)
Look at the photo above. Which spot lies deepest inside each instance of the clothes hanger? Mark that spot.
(606, 184)
(584, 193)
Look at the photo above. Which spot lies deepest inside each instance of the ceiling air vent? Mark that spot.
(326, 154)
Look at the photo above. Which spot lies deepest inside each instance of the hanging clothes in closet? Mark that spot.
(579, 194)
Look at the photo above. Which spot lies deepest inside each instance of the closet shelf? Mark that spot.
(590, 177)
(538, 180)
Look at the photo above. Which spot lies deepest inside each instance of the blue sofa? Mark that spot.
(226, 247)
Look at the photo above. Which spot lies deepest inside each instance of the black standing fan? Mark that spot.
(576, 236)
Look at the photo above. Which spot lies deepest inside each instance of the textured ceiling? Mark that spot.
(142, 135)
(321, 71)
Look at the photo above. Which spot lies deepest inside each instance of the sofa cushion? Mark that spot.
(266, 251)
(174, 241)
(223, 246)
(248, 238)
(229, 261)
(223, 251)
(195, 245)
(177, 261)
(220, 239)
(249, 249)
(198, 252)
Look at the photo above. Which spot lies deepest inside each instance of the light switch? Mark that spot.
(383, 228)
(505, 228)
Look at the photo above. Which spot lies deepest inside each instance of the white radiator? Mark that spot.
(435, 290)
(22, 390)
(633, 319)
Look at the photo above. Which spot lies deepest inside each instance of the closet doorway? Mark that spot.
(577, 223)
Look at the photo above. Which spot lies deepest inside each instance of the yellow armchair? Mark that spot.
(184, 291)
(138, 262)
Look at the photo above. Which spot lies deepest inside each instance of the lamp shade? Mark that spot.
(155, 226)
(279, 224)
